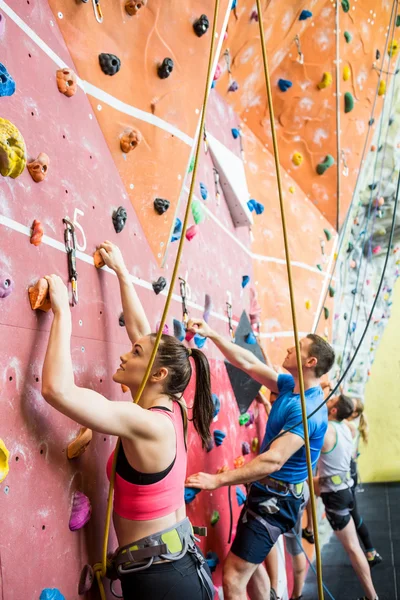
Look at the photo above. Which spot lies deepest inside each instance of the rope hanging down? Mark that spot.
(292, 304)
(100, 568)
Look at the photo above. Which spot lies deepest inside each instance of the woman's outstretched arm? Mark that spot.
(136, 322)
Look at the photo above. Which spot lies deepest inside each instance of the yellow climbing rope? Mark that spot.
(292, 304)
(100, 568)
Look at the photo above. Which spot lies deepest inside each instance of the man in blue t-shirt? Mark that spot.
(278, 473)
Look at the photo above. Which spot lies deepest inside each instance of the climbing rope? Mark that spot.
(298, 540)
(338, 164)
(292, 303)
(101, 568)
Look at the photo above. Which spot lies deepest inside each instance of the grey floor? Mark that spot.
(379, 505)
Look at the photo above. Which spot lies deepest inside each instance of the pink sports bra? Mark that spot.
(145, 496)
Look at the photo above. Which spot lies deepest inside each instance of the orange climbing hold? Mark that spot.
(36, 233)
(38, 168)
(98, 260)
(222, 469)
(238, 462)
(80, 443)
(39, 296)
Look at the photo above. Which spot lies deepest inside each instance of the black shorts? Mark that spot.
(166, 581)
(254, 540)
(338, 507)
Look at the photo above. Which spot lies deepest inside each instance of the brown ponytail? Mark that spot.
(364, 428)
(203, 407)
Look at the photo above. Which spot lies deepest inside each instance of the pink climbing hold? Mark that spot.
(165, 328)
(192, 232)
(353, 264)
(81, 511)
(218, 72)
(379, 201)
(376, 250)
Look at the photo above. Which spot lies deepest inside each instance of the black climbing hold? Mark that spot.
(109, 63)
(159, 285)
(391, 121)
(371, 122)
(121, 320)
(345, 316)
(350, 248)
(161, 205)
(354, 292)
(373, 186)
(165, 69)
(398, 21)
(377, 55)
(119, 219)
(201, 25)
(380, 147)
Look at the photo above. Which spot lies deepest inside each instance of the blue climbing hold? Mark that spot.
(245, 280)
(255, 206)
(177, 230)
(304, 15)
(219, 437)
(284, 84)
(213, 84)
(203, 191)
(51, 594)
(179, 330)
(199, 340)
(7, 83)
(251, 338)
(212, 560)
(234, 4)
(240, 496)
(235, 133)
(190, 494)
(217, 404)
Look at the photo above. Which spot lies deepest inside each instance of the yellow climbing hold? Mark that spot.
(292, 189)
(382, 88)
(386, 297)
(393, 48)
(4, 454)
(308, 304)
(12, 150)
(346, 73)
(297, 159)
(326, 80)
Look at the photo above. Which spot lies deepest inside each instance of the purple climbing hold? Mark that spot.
(245, 448)
(7, 83)
(284, 84)
(6, 285)
(234, 86)
(251, 418)
(207, 307)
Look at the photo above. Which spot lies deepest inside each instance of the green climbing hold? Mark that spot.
(214, 518)
(345, 5)
(348, 37)
(328, 234)
(326, 312)
(198, 211)
(319, 267)
(348, 102)
(331, 291)
(243, 419)
(191, 165)
(323, 166)
(398, 21)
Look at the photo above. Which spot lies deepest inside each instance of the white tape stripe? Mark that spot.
(281, 334)
(325, 284)
(94, 91)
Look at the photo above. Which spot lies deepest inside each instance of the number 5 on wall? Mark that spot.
(81, 247)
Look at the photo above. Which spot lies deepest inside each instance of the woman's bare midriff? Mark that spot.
(130, 531)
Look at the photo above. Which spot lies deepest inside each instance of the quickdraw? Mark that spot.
(70, 247)
(229, 314)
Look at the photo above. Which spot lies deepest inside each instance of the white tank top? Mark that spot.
(334, 465)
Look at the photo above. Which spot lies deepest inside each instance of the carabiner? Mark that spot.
(70, 248)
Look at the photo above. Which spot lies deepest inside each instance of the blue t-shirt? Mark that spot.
(286, 412)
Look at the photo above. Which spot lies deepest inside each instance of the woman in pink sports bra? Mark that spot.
(157, 557)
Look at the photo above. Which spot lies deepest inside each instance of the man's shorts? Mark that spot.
(254, 539)
(293, 537)
(338, 507)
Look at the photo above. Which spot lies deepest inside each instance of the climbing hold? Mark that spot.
(292, 189)
(119, 218)
(80, 512)
(159, 285)
(331, 291)
(379, 201)
(132, 7)
(66, 82)
(297, 159)
(38, 168)
(245, 280)
(240, 496)
(348, 37)
(255, 444)
(86, 580)
(98, 259)
(218, 72)
(80, 443)
(319, 267)
(190, 494)
(345, 5)
(12, 150)
(7, 83)
(254, 16)
(191, 232)
(39, 296)
(165, 69)
(353, 264)
(377, 55)
(203, 191)
(238, 462)
(165, 328)
(6, 285)
(212, 560)
(348, 102)
(251, 338)
(382, 88)
(393, 48)
(243, 419)
(308, 304)
(326, 164)
(326, 312)
(176, 234)
(250, 419)
(235, 133)
(284, 84)
(4, 466)
(234, 86)
(222, 469)
(121, 320)
(199, 341)
(217, 404)
(328, 234)
(198, 211)
(161, 205)
(179, 330)
(36, 233)
(346, 73)
(219, 437)
(109, 63)
(214, 518)
(326, 80)
(51, 594)
(245, 448)
(201, 25)
(305, 14)
(130, 140)
(256, 206)
(376, 250)
(398, 21)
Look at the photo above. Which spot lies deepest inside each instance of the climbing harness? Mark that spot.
(70, 247)
(282, 487)
(101, 568)
(98, 13)
(337, 479)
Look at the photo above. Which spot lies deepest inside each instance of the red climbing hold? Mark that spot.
(192, 232)
(36, 233)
